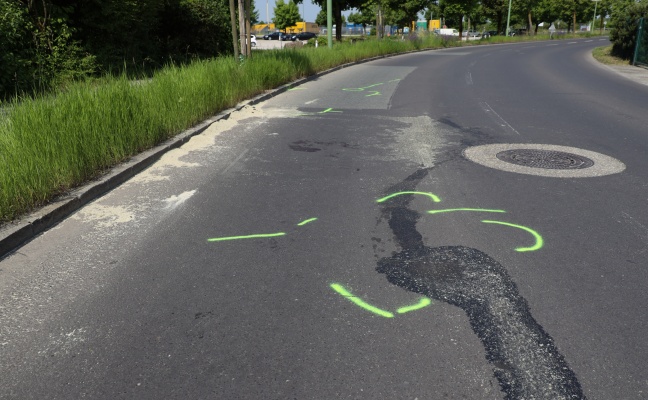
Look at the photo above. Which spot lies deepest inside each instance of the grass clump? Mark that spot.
(604, 56)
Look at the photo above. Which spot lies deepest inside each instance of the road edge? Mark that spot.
(17, 233)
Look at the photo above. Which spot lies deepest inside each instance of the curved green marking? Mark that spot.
(538, 244)
(306, 221)
(464, 209)
(434, 197)
(374, 93)
(424, 302)
(359, 302)
(261, 235)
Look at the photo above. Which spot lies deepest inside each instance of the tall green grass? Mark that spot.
(53, 143)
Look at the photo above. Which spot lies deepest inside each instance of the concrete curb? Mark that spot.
(15, 234)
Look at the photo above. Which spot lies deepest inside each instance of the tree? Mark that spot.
(624, 20)
(361, 18)
(286, 14)
(457, 9)
(338, 7)
(404, 12)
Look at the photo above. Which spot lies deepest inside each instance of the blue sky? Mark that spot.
(307, 7)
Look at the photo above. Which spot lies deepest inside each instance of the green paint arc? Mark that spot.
(424, 302)
(465, 209)
(359, 302)
(307, 221)
(256, 236)
(539, 241)
(433, 196)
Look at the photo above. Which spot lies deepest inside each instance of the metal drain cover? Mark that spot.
(547, 159)
(544, 160)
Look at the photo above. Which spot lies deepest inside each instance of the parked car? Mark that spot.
(277, 36)
(253, 40)
(472, 34)
(303, 36)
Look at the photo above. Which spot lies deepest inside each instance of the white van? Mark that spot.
(448, 32)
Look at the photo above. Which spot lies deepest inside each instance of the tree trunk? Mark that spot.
(337, 12)
(233, 22)
(574, 21)
(500, 17)
(530, 24)
(248, 38)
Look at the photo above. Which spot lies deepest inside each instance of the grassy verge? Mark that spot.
(51, 144)
(604, 56)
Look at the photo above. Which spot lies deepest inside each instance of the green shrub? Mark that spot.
(625, 21)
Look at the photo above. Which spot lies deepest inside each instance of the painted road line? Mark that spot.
(464, 209)
(359, 302)
(539, 241)
(434, 197)
(256, 236)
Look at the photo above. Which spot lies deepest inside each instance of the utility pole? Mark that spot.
(242, 28)
(508, 19)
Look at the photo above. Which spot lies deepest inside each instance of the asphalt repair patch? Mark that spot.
(525, 360)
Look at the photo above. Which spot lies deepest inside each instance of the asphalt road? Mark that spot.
(465, 223)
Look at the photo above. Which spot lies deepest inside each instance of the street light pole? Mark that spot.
(594, 18)
(508, 19)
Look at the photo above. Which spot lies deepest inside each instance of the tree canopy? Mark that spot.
(286, 14)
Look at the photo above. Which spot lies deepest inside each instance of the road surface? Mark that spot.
(463, 223)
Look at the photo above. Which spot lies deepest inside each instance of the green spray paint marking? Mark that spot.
(359, 302)
(306, 221)
(328, 110)
(297, 88)
(464, 209)
(424, 302)
(261, 235)
(361, 89)
(374, 93)
(394, 80)
(434, 197)
(539, 242)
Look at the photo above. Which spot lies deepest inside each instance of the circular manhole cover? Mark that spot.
(544, 160)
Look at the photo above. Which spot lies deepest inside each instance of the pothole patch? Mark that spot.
(544, 160)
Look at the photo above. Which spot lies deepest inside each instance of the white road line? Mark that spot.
(235, 161)
(555, 44)
(496, 116)
(603, 40)
(469, 80)
(572, 42)
(587, 41)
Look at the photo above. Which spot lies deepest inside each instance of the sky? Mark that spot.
(307, 7)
